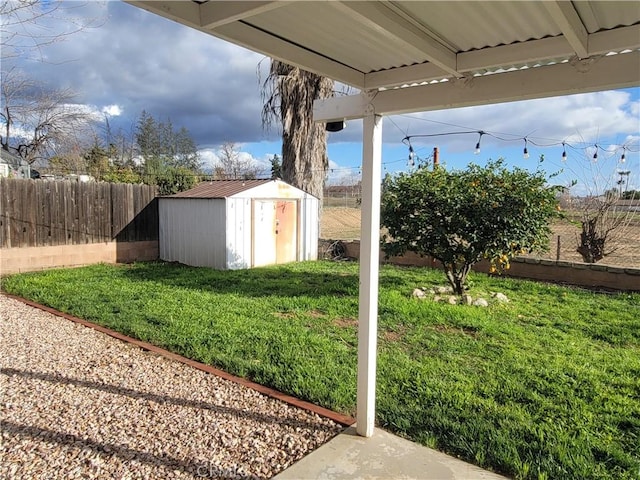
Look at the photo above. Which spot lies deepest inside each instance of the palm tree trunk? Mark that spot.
(289, 94)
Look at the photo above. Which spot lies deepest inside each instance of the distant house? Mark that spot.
(233, 224)
(13, 166)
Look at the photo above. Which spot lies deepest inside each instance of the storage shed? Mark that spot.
(233, 224)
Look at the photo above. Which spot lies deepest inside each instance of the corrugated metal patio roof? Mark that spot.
(383, 44)
(219, 188)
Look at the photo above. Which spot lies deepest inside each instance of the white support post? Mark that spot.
(369, 258)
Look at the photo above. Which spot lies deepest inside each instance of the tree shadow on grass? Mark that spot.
(277, 281)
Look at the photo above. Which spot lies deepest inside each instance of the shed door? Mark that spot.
(275, 232)
(286, 231)
(264, 238)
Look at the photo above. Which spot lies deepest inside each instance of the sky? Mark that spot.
(130, 60)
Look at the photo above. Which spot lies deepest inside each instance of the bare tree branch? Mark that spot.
(233, 166)
(36, 120)
(27, 26)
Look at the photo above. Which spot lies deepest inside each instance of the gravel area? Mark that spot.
(76, 403)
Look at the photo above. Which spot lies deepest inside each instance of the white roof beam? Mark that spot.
(213, 15)
(616, 40)
(389, 24)
(487, 58)
(546, 81)
(423, 72)
(187, 13)
(272, 46)
(514, 54)
(568, 20)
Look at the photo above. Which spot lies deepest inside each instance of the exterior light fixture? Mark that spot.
(335, 126)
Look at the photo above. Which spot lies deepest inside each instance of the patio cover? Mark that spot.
(409, 56)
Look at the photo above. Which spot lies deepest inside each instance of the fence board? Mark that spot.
(30, 214)
(23, 208)
(4, 220)
(42, 213)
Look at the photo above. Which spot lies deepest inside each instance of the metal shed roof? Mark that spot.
(219, 188)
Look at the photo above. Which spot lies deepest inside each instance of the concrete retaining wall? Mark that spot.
(573, 273)
(28, 259)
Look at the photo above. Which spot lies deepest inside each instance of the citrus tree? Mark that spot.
(462, 217)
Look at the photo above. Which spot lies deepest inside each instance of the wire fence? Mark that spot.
(341, 218)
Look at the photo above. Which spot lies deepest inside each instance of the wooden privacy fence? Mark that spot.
(47, 213)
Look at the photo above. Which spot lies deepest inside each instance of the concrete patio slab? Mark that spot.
(383, 456)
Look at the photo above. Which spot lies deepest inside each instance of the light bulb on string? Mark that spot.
(595, 155)
(477, 149)
(564, 152)
(623, 158)
(525, 152)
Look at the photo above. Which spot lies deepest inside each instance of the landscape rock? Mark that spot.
(452, 300)
(417, 293)
(501, 297)
(444, 290)
(481, 302)
(467, 299)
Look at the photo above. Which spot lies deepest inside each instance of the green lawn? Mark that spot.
(544, 387)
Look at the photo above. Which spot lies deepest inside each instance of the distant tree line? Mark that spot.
(155, 154)
(625, 195)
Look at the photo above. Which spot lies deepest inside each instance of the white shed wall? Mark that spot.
(238, 228)
(192, 231)
(309, 228)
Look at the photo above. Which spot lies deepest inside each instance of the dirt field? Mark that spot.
(339, 223)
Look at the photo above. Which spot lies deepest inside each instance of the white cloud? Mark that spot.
(209, 158)
(112, 110)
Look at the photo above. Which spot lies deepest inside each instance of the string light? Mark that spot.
(477, 150)
(525, 152)
(582, 146)
(411, 162)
